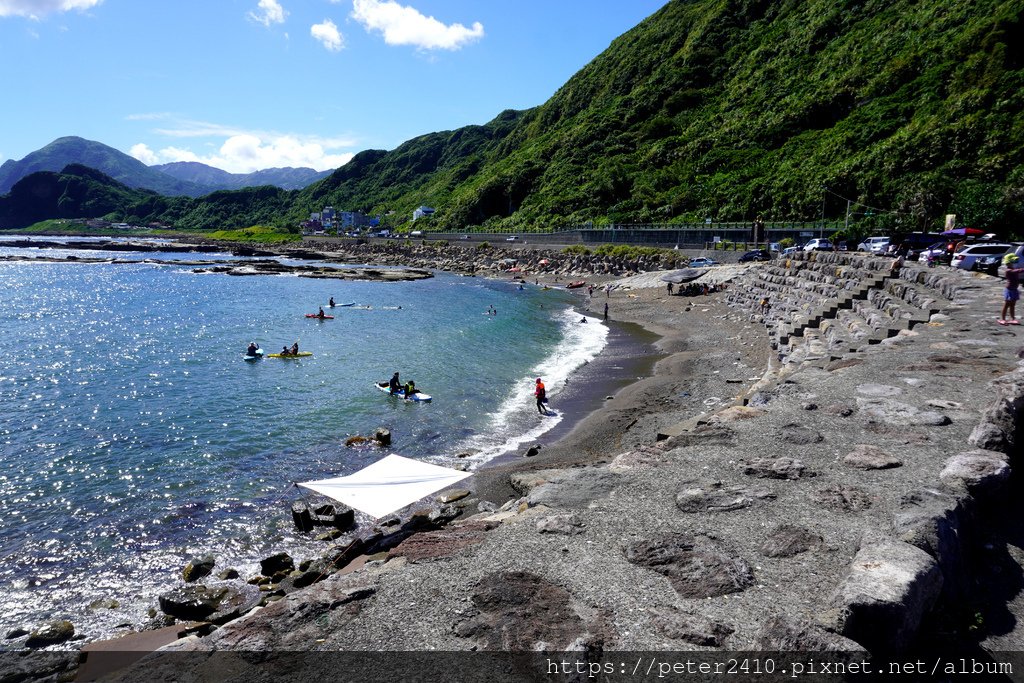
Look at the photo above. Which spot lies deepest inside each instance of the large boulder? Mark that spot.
(197, 568)
(53, 633)
(889, 588)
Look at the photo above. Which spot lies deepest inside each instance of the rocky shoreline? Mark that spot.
(810, 475)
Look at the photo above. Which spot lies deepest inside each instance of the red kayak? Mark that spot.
(321, 317)
(576, 284)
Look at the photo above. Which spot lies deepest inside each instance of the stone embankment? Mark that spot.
(488, 260)
(838, 503)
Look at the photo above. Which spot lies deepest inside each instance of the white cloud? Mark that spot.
(327, 33)
(248, 152)
(144, 154)
(269, 12)
(36, 9)
(404, 25)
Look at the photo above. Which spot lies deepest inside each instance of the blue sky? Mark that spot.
(251, 84)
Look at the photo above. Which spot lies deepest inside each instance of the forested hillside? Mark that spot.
(723, 109)
(737, 108)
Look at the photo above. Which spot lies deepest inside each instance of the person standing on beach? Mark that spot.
(542, 397)
(1012, 291)
(606, 311)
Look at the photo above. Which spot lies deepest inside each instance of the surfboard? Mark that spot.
(418, 397)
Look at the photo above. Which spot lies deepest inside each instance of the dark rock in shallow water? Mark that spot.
(228, 574)
(198, 568)
(52, 634)
(697, 567)
(280, 562)
(192, 603)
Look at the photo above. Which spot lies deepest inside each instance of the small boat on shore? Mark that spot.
(576, 284)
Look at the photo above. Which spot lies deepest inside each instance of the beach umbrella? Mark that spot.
(964, 231)
(685, 275)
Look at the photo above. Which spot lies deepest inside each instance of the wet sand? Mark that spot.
(669, 358)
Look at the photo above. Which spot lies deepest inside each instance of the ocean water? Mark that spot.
(134, 437)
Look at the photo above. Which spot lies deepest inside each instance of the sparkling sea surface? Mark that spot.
(134, 436)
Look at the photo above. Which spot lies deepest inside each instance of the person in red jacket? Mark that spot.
(542, 397)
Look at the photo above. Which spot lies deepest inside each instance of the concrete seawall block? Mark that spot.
(890, 586)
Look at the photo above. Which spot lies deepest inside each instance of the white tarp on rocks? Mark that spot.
(387, 485)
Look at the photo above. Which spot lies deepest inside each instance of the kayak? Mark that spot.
(300, 354)
(418, 397)
(321, 317)
(575, 285)
(259, 355)
(350, 303)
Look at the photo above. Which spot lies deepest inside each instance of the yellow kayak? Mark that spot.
(300, 354)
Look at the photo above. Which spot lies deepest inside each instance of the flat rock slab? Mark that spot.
(787, 540)
(695, 566)
(432, 545)
(575, 489)
(775, 468)
(881, 601)
(902, 414)
(799, 435)
(719, 497)
(867, 457)
(842, 498)
(691, 628)
(780, 634)
(567, 525)
(520, 611)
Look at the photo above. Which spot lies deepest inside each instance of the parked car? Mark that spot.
(969, 255)
(702, 262)
(513, 238)
(818, 244)
(791, 250)
(875, 245)
(756, 255)
(937, 251)
(988, 264)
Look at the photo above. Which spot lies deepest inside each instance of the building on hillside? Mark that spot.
(352, 219)
(422, 212)
(327, 217)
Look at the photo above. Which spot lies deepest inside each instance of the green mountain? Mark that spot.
(723, 109)
(732, 109)
(116, 164)
(75, 192)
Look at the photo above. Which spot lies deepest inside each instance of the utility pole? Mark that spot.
(821, 225)
(846, 225)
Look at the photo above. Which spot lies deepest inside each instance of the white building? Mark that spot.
(422, 212)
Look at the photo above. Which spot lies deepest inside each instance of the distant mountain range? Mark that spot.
(187, 178)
